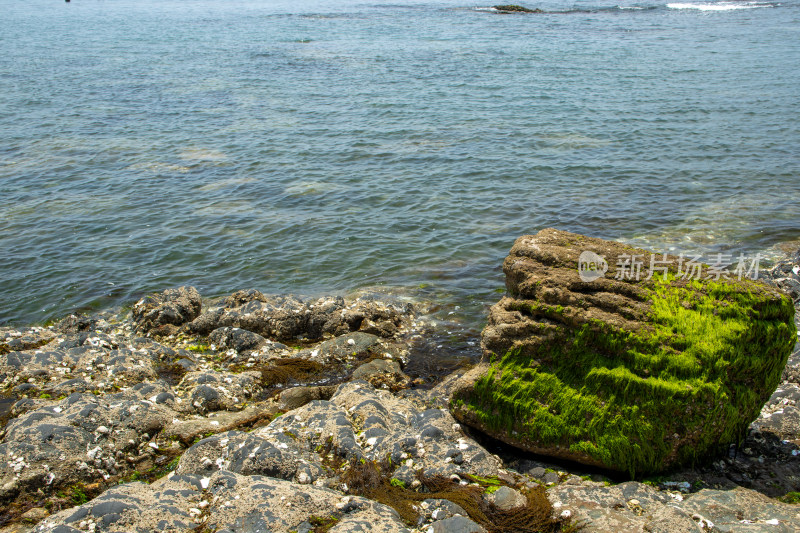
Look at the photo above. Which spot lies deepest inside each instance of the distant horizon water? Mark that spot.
(328, 146)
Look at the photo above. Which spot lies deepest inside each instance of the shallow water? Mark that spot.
(333, 145)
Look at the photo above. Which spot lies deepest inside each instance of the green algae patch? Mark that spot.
(682, 382)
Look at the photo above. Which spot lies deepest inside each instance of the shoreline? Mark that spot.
(209, 376)
(470, 310)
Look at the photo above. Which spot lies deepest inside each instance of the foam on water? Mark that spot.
(721, 6)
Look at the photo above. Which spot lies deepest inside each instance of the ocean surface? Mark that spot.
(326, 146)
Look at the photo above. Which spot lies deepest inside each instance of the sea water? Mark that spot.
(327, 146)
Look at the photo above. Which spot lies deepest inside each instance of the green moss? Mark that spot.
(791, 497)
(708, 356)
(394, 482)
(321, 524)
(75, 493)
(198, 348)
(485, 481)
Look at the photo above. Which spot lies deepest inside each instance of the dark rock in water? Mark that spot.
(631, 373)
(287, 318)
(512, 8)
(173, 307)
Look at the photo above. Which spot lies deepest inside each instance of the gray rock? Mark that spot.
(77, 439)
(672, 519)
(741, 509)
(240, 298)
(171, 307)
(351, 347)
(390, 427)
(436, 509)
(551, 478)
(187, 431)
(94, 362)
(236, 339)
(267, 504)
(218, 391)
(633, 506)
(248, 455)
(287, 318)
(456, 524)
(135, 507)
(507, 499)
(538, 472)
(12, 339)
(382, 373)
(299, 396)
(606, 508)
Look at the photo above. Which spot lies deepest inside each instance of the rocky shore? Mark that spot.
(275, 413)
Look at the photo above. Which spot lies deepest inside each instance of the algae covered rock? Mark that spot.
(637, 362)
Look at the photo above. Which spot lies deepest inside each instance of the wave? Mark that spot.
(721, 6)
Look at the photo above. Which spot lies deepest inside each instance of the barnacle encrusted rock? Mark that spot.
(635, 375)
(173, 307)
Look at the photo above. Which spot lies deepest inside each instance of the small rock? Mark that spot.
(456, 524)
(506, 498)
(35, 515)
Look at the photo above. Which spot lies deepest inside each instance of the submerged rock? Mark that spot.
(513, 8)
(631, 373)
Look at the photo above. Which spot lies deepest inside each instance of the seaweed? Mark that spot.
(373, 480)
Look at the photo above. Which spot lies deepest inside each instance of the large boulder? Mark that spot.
(631, 373)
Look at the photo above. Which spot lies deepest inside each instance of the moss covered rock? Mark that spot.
(634, 375)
